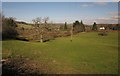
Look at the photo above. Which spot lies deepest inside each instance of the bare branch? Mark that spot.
(45, 19)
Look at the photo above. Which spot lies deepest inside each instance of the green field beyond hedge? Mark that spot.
(88, 53)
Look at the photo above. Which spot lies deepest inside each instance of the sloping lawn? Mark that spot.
(88, 53)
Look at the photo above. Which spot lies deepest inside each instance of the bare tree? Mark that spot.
(33, 21)
(71, 31)
(45, 20)
(37, 23)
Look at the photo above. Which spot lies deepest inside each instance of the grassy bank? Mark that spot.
(87, 53)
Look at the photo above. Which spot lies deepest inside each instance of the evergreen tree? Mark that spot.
(76, 26)
(81, 22)
(65, 27)
(82, 26)
(94, 26)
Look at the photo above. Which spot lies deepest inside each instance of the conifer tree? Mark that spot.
(94, 26)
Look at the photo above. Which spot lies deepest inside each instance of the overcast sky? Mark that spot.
(60, 12)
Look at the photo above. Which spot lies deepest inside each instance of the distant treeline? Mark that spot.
(76, 23)
(109, 26)
(49, 30)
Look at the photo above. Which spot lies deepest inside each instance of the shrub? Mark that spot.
(8, 32)
(78, 27)
(103, 33)
(8, 28)
(9, 22)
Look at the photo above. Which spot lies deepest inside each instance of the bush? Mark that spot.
(103, 33)
(8, 32)
(9, 22)
(8, 28)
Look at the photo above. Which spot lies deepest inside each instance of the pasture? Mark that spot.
(88, 53)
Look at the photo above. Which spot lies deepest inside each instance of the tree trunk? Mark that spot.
(41, 39)
(71, 33)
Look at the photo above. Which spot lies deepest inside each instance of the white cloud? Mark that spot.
(100, 3)
(94, 4)
(86, 5)
(115, 0)
(109, 20)
(114, 13)
(115, 17)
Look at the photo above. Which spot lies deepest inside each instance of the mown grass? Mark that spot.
(88, 53)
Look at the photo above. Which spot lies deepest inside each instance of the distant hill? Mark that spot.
(20, 22)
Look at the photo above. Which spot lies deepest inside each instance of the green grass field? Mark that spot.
(88, 53)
